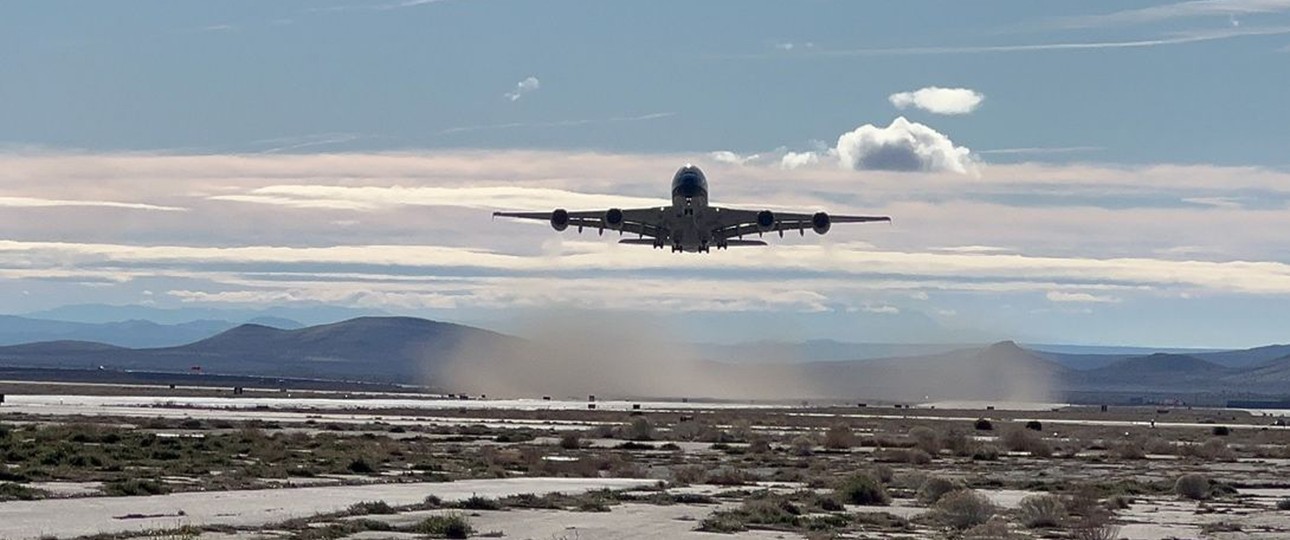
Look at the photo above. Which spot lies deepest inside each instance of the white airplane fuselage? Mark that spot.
(689, 220)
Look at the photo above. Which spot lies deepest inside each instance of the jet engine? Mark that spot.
(765, 220)
(614, 218)
(820, 222)
(560, 219)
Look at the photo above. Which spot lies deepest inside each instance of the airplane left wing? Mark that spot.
(643, 222)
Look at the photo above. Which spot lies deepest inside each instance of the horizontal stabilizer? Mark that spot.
(741, 243)
(637, 241)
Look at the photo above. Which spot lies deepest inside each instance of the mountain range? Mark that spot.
(419, 351)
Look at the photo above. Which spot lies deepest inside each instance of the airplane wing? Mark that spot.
(735, 223)
(643, 222)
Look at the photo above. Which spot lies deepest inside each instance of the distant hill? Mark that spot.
(1247, 357)
(418, 351)
(130, 333)
(1176, 372)
(383, 349)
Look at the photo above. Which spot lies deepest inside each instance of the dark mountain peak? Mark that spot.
(1010, 355)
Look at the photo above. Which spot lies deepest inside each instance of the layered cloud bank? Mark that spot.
(407, 231)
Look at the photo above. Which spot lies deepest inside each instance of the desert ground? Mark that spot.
(105, 462)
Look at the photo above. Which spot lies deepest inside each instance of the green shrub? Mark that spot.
(360, 466)
(982, 424)
(17, 492)
(134, 486)
(570, 441)
(1192, 486)
(1283, 504)
(1222, 431)
(862, 489)
(371, 507)
(1034, 425)
(452, 525)
(475, 502)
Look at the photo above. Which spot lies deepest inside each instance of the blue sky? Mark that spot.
(1084, 172)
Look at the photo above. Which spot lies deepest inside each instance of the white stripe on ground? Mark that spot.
(65, 518)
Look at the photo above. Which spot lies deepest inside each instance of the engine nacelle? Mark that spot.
(560, 219)
(821, 222)
(614, 218)
(765, 220)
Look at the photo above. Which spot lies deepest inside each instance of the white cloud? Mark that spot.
(1183, 38)
(903, 146)
(935, 99)
(1179, 10)
(526, 86)
(793, 160)
(37, 202)
(1080, 298)
(371, 198)
(726, 156)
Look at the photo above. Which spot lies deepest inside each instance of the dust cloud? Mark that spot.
(573, 353)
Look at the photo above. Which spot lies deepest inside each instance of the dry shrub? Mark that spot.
(1159, 446)
(902, 455)
(958, 443)
(1083, 501)
(1212, 450)
(934, 488)
(1129, 450)
(728, 476)
(986, 452)
(1192, 486)
(839, 437)
(689, 474)
(926, 439)
(1095, 531)
(1041, 511)
(570, 441)
(964, 508)
(803, 446)
(995, 529)
(863, 489)
(1025, 440)
(882, 473)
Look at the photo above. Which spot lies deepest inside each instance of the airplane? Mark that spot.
(689, 224)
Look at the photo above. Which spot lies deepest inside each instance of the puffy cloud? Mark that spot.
(793, 160)
(903, 146)
(529, 84)
(939, 100)
(726, 156)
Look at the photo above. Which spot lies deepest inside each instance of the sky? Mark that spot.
(1080, 172)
